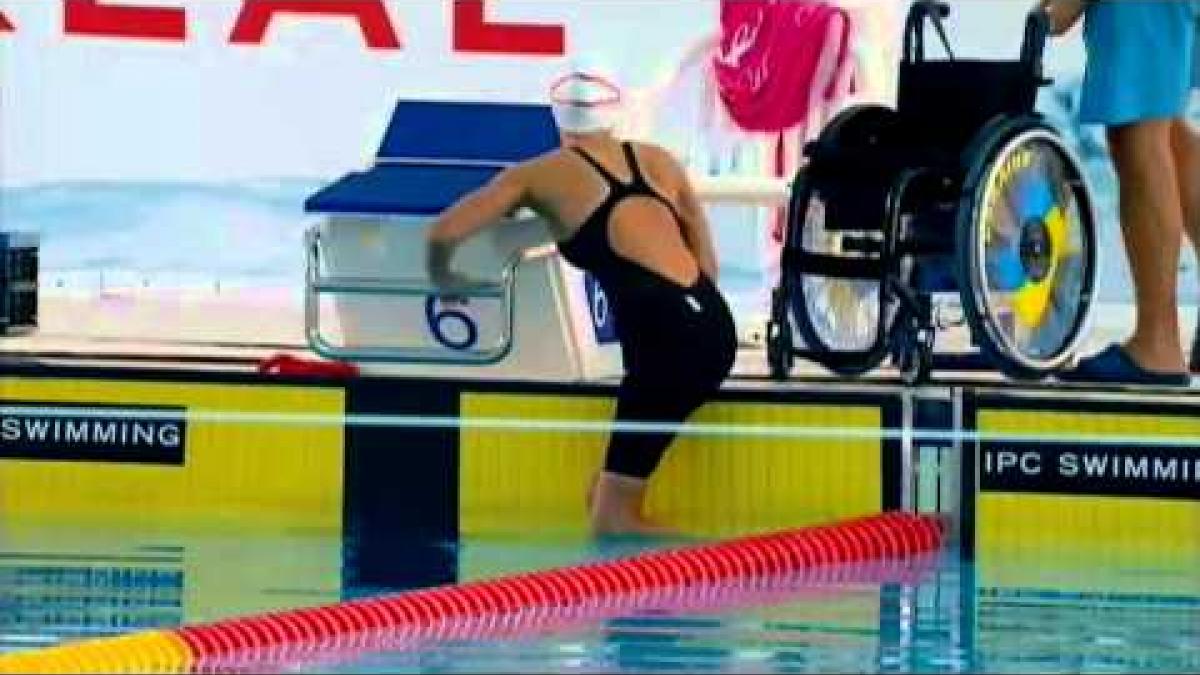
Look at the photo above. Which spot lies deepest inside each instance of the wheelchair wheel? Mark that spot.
(858, 127)
(1026, 248)
(837, 315)
(838, 318)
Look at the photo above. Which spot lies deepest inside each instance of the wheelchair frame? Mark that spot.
(895, 182)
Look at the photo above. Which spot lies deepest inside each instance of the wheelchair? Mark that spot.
(961, 190)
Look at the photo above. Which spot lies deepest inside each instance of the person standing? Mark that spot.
(1142, 64)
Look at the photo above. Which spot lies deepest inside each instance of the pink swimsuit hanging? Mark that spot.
(780, 60)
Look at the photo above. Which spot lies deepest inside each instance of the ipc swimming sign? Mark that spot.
(604, 322)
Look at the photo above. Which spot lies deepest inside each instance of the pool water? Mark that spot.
(1135, 613)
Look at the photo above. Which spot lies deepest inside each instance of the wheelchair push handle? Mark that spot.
(1033, 48)
(914, 28)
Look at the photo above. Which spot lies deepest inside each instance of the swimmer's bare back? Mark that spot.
(562, 188)
(567, 190)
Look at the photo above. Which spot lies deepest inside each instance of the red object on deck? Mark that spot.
(294, 366)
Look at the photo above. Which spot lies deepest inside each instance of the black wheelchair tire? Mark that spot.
(842, 363)
(856, 124)
(989, 147)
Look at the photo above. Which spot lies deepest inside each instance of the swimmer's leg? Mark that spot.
(676, 365)
(618, 497)
(619, 508)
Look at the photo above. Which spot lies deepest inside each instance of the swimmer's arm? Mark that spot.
(475, 212)
(697, 231)
(1064, 14)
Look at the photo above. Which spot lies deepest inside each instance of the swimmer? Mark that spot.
(626, 213)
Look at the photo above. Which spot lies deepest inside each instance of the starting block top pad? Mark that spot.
(435, 152)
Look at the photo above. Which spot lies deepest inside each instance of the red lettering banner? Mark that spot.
(90, 17)
(372, 17)
(473, 33)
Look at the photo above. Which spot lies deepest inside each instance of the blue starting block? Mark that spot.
(434, 153)
(367, 255)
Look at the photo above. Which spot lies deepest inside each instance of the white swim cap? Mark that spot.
(586, 99)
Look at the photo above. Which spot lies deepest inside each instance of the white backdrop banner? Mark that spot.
(172, 140)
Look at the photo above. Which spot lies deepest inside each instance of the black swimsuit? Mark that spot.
(677, 340)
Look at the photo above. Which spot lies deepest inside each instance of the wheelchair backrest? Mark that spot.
(944, 103)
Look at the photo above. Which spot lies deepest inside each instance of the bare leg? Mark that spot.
(1152, 224)
(1185, 145)
(618, 507)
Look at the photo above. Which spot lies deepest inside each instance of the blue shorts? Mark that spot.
(1143, 60)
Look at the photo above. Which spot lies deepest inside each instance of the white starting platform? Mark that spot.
(541, 318)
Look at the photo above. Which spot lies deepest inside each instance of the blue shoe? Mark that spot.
(1114, 366)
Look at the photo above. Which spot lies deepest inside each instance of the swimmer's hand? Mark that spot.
(1064, 14)
(437, 266)
(453, 283)
(456, 288)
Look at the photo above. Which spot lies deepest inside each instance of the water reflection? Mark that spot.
(937, 615)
